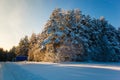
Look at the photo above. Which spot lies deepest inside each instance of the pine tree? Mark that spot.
(71, 35)
(23, 47)
(32, 43)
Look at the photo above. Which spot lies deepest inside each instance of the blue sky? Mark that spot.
(22, 17)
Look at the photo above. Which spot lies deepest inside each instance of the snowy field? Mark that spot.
(59, 71)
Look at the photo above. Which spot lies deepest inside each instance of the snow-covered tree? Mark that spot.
(23, 47)
(71, 35)
(32, 43)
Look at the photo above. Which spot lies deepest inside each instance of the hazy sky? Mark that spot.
(22, 17)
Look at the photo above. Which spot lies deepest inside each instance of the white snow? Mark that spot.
(74, 71)
(59, 71)
(0, 72)
(12, 71)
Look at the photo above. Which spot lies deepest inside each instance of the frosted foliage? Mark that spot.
(98, 39)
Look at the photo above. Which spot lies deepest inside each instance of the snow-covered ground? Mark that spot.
(59, 71)
(12, 71)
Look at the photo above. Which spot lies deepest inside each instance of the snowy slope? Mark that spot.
(59, 71)
(74, 71)
(1, 71)
(11, 71)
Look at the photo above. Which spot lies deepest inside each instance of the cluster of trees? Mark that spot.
(87, 38)
(71, 36)
(7, 55)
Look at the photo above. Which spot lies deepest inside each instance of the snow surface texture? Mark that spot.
(0, 72)
(59, 71)
(74, 71)
(11, 71)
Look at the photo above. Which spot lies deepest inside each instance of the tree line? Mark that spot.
(70, 36)
(7, 55)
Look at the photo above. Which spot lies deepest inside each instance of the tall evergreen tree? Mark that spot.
(23, 47)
